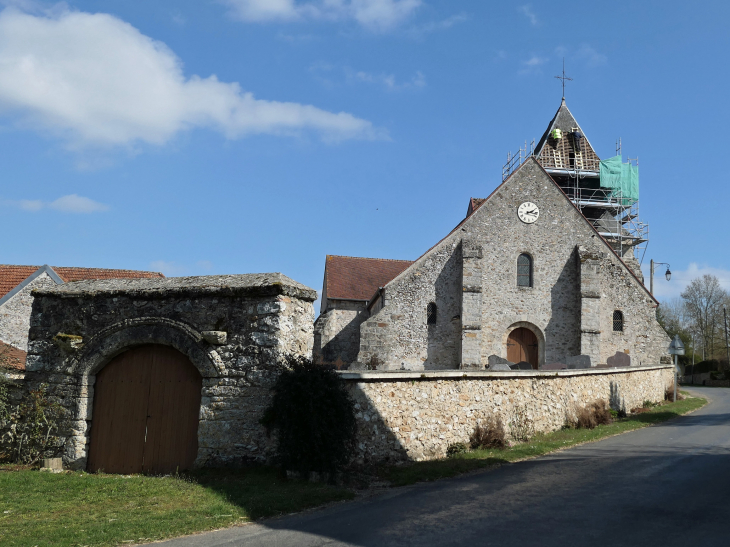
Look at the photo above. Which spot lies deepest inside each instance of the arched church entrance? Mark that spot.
(145, 412)
(522, 346)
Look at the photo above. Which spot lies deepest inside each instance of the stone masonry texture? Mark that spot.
(15, 313)
(412, 416)
(337, 332)
(578, 282)
(265, 317)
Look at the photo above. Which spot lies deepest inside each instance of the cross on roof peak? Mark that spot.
(563, 78)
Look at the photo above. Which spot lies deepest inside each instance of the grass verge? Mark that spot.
(78, 509)
(539, 445)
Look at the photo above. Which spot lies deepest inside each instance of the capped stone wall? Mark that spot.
(412, 416)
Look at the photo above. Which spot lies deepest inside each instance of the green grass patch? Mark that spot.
(539, 445)
(76, 509)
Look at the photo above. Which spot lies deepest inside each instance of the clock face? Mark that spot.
(528, 212)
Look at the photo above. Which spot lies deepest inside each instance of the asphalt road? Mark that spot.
(664, 485)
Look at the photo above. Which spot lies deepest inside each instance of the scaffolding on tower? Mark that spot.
(605, 192)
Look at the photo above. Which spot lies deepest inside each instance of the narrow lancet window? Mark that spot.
(618, 321)
(431, 314)
(524, 270)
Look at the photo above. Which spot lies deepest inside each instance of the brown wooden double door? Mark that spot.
(145, 415)
(522, 346)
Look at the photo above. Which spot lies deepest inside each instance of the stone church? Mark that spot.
(544, 271)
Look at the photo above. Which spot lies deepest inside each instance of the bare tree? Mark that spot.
(703, 299)
(673, 317)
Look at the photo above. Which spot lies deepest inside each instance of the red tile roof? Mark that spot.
(11, 357)
(354, 278)
(12, 276)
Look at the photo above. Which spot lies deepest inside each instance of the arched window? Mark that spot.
(618, 321)
(431, 314)
(524, 270)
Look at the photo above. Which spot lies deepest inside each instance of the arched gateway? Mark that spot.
(145, 415)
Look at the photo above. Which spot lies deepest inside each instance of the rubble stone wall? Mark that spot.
(337, 332)
(77, 328)
(412, 416)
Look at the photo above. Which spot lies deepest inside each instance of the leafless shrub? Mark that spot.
(31, 428)
(521, 426)
(593, 414)
(602, 412)
(489, 434)
(669, 394)
(585, 419)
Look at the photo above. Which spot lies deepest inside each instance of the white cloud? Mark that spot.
(71, 203)
(77, 204)
(533, 64)
(535, 61)
(372, 14)
(32, 205)
(591, 57)
(526, 10)
(330, 76)
(434, 26)
(386, 80)
(664, 289)
(96, 80)
(179, 19)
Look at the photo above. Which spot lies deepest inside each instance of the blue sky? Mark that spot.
(234, 136)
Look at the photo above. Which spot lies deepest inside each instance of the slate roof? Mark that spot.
(11, 276)
(15, 358)
(357, 278)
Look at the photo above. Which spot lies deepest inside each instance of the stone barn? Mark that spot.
(158, 375)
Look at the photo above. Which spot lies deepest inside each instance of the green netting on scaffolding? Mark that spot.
(621, 178)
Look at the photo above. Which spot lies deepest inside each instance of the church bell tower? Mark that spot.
(605, 191)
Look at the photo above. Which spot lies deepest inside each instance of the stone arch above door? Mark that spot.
(115, 339)
(532, 328)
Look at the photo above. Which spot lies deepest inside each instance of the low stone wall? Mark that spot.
(416, 416)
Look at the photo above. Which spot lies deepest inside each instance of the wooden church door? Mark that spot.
(522, 346)
(145, 415)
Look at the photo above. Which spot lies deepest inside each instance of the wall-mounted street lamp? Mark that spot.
(668, 274)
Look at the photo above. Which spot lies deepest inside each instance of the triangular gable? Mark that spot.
(29, 279)
(556, 153)
(468, 219)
